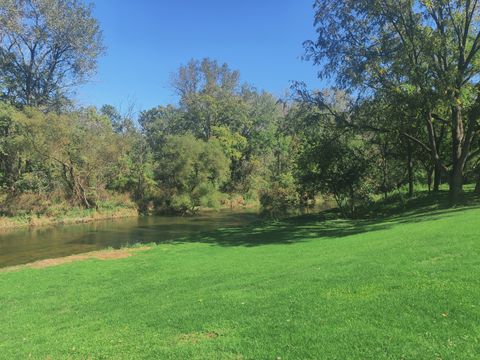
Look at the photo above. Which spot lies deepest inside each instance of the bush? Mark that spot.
(280, 197)
(211, 199)
(190, 172)
(182, 204)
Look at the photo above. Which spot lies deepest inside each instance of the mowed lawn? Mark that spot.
(402, 288)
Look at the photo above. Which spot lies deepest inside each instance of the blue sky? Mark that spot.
(148, 40)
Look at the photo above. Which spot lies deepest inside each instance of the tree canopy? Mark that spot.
(403, 112)
(46, 48)
(424, 53)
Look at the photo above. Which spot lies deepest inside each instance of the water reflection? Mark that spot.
(27, 245)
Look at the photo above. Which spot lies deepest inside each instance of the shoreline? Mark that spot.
(32, 221)
(106, 254)
(17, 223)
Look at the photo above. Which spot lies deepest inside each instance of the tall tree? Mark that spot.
(432, 46)
(80, 148)
(46, 47)
(206, 76)
(209, 96)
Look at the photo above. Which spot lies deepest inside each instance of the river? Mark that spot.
(36, 243)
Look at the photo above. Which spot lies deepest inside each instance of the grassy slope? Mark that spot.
(401, 288)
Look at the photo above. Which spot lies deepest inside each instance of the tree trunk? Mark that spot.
(458, 163)
(352, 201)
(429, 179)
(410, 171)
(434, 153)
(456, 184)
(384, 171)
(477, 186)
(81, 194)
(437, 178)
(77, 191)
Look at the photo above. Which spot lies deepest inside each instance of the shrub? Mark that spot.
(190, 172)
(280, 197)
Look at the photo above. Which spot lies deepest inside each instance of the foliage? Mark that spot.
(134, 171)
(334, 163)
(204, 77)
(46, 46)
(213, 106)
(80, 148)
(188, 169)
(157, 123)
(221, 138)
(427, 50)
(393, 121)
(280, 196)
(71, 156)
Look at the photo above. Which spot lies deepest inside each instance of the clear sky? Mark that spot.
(147, 40)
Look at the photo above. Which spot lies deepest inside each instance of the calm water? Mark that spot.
(27, 245)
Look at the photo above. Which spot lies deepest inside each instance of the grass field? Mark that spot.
(403, 287)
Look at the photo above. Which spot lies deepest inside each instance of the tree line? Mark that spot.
(413, 67)
(403, 113)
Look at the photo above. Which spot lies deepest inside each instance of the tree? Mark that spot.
(334, 163)
(114, 116)
(46, 47)
(158, 123)
(204, 77)
(13, 157)
(432, 46)
(389, 122)
(80, 149)
(209, 96)
(213, 104)
(187, 171)
(134, 171)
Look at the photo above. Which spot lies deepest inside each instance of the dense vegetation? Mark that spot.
(405, 112)
(304, 288)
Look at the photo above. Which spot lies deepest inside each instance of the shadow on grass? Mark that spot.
(328, 224)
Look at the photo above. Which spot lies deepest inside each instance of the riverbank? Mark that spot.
(108, 254)
(74, 216)
(26, 245)
(63, 214)
(403, 286)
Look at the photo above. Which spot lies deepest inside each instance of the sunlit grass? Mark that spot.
(405, 287)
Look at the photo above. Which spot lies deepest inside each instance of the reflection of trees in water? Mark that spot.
(26, 245)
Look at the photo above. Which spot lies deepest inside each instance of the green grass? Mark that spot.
(404, 287)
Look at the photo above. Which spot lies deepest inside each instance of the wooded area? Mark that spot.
(404, 113)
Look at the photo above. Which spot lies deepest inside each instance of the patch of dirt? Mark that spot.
(99, 255)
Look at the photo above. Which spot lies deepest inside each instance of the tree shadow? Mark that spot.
(328, 225)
